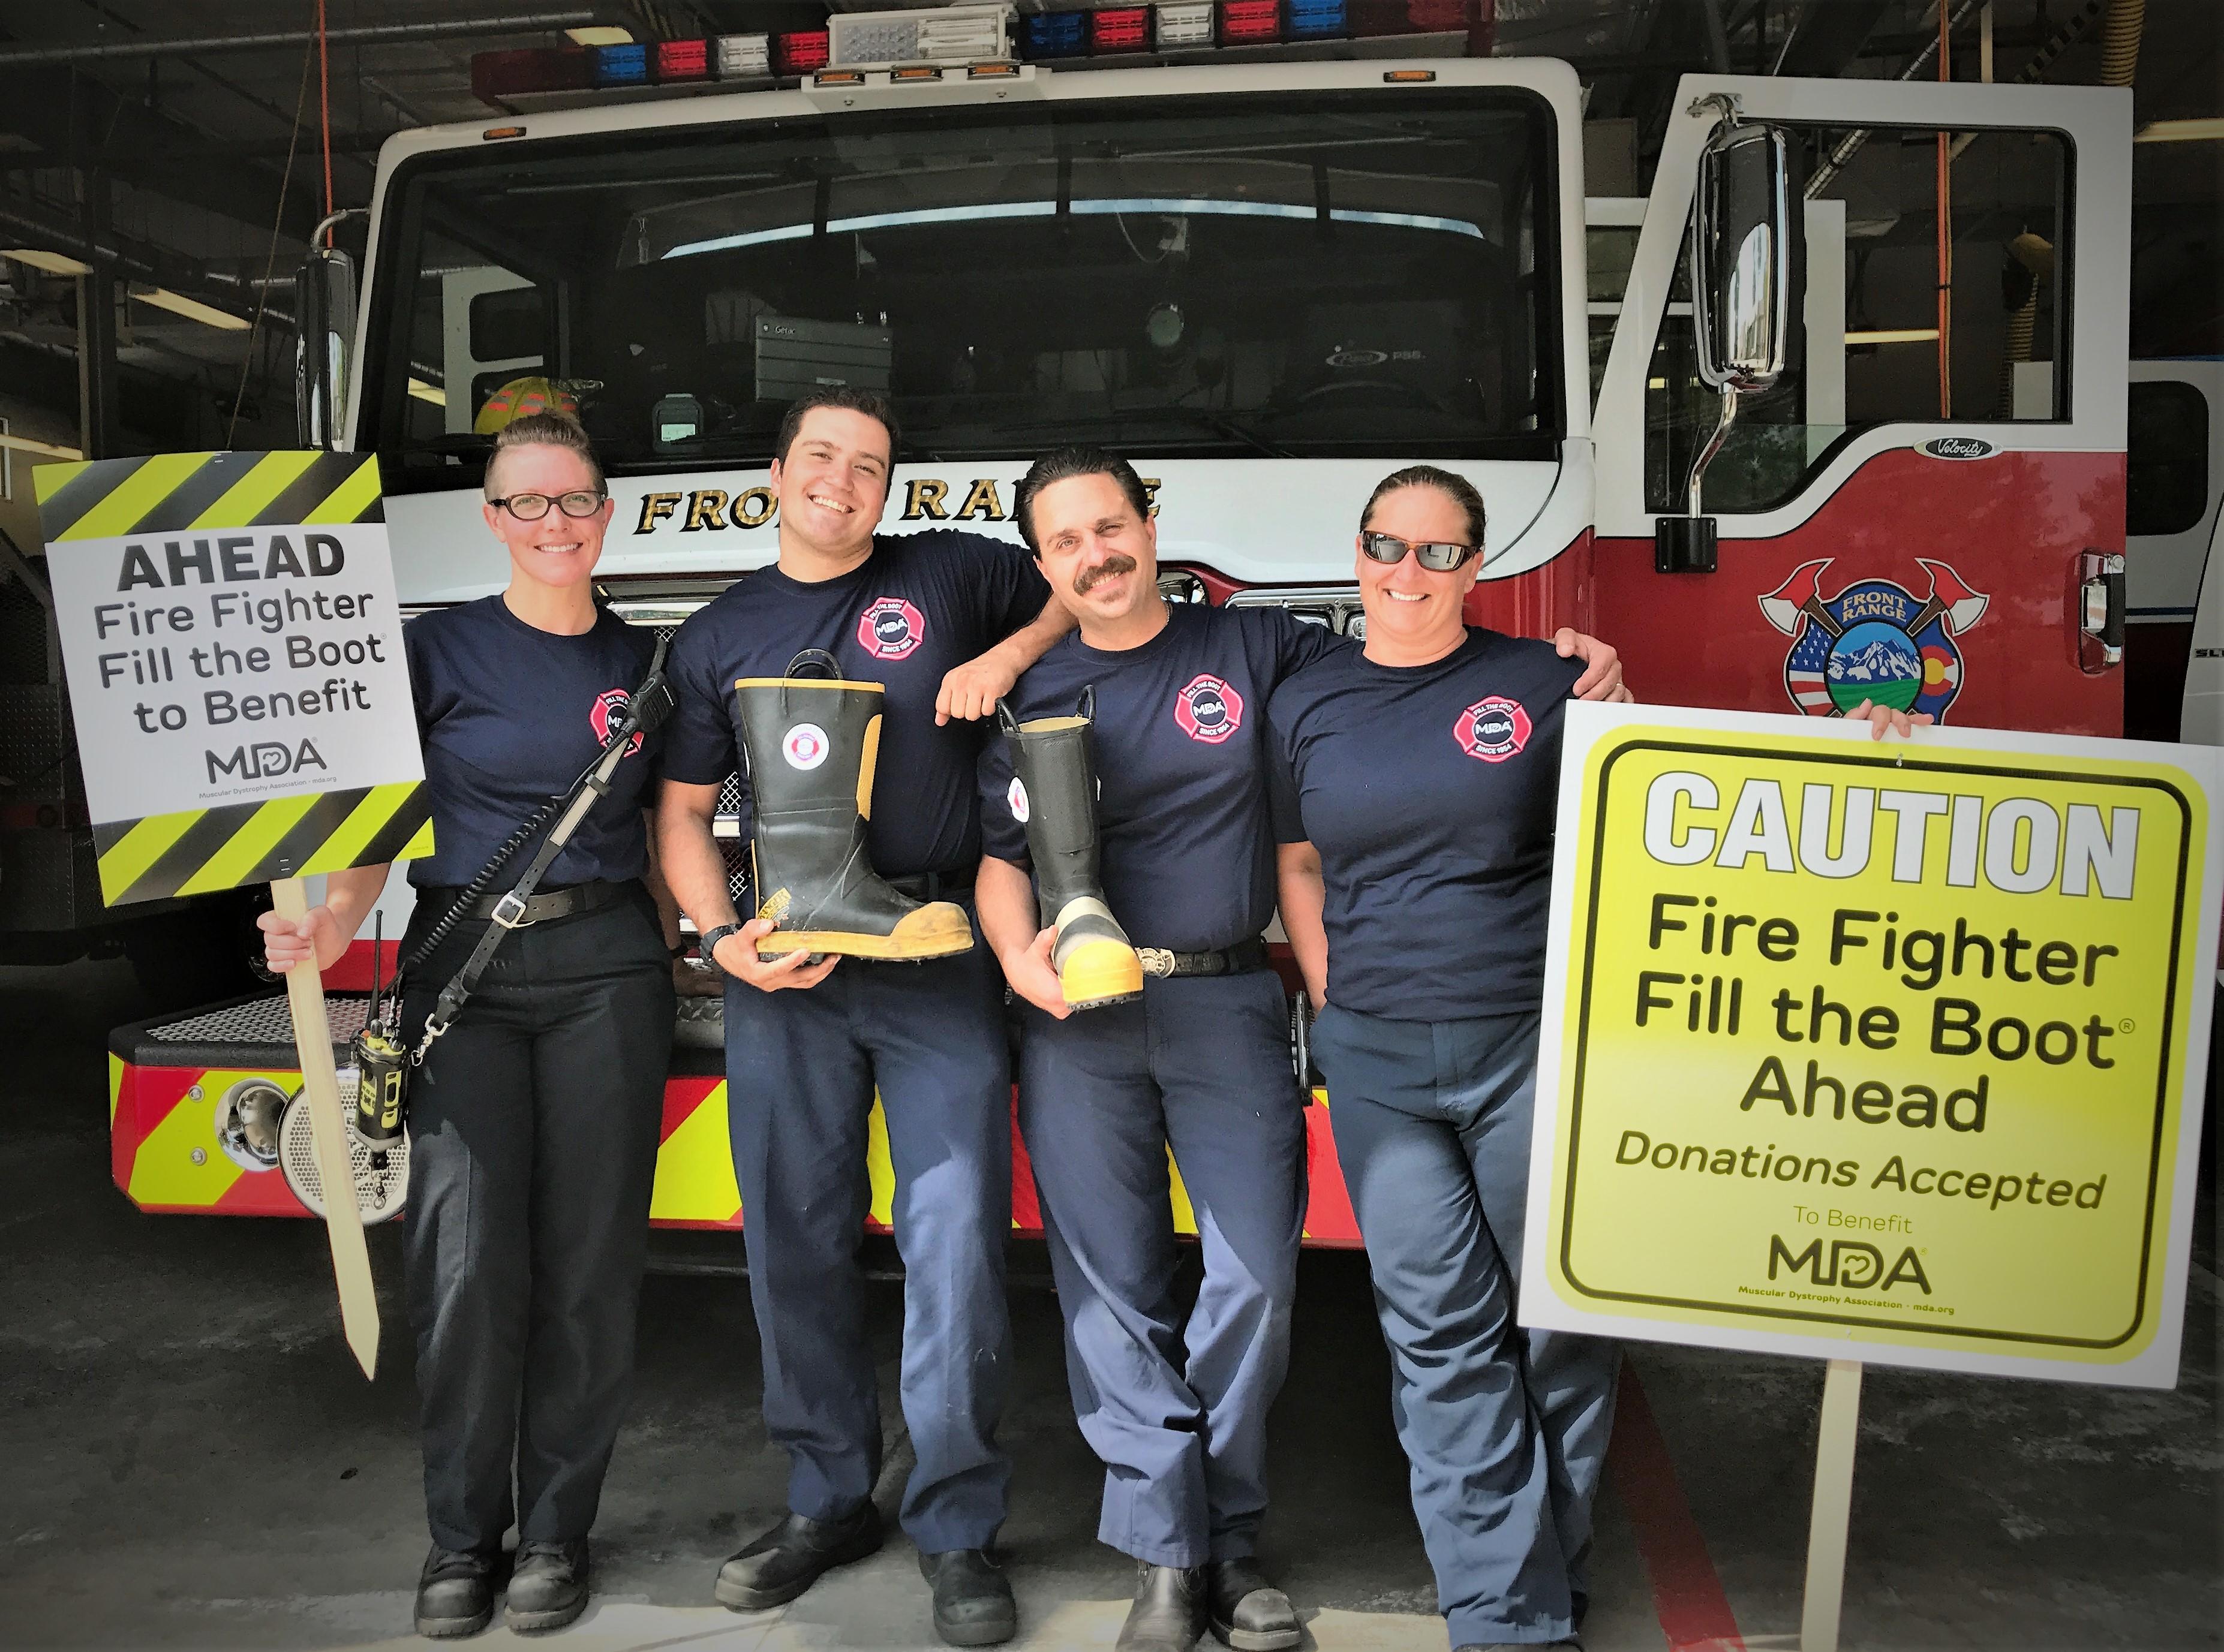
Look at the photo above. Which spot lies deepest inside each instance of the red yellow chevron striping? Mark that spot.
(165, 1156)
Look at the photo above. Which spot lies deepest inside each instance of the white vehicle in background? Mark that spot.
(2173, 536)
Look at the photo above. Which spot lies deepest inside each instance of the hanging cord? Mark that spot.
(1945, 228)
(325, 112)
(270, 264)
(472, 891)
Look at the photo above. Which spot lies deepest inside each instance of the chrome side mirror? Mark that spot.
(325, 301)
(1746, 253)
(1743, 228)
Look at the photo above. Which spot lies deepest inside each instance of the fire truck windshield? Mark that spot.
(1356, 273)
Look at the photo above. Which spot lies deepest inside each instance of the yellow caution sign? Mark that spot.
(1885, 1051)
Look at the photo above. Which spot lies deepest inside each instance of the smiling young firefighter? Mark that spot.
(852, 874)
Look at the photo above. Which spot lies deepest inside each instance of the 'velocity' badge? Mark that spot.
(1208, 710)
(890, 628)
(804, 746)
(1492, 729)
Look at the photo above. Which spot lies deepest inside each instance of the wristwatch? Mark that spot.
(707, 944)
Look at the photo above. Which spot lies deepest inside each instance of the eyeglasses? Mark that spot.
(1437, 556)
(531, 508)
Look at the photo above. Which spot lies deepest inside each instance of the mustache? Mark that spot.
(1118, 563)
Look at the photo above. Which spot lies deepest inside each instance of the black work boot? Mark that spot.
(547, 1585)
(1055, 795)
(1169, 1610)
(1247, 1612)
(972, 1598)
(455, 1594)
(812, 746)
(788, 1559)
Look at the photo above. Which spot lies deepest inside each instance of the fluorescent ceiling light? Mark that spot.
(44, 450)
(1894, 336)
(2205, 130)
(55, 263)
(600, 36)
(192, 309)
(431, 393)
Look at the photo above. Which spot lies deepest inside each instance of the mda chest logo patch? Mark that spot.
(1208, 710)
(890, 628)
(1874, 640)
(608, 711)
(1492, 729)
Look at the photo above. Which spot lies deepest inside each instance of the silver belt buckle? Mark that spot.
(509, 911)
(1157, 961)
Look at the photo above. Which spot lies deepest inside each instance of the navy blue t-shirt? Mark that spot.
(1184, 838)
(1430, 791)
(918, 605)
(510, 716)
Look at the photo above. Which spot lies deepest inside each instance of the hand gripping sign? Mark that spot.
(233, 653)
(1874, 1051)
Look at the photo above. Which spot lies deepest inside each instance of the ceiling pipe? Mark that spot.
(156, 46)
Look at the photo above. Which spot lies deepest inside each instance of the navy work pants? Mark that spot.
(1177, 1412)
(802, 1067)
(533, 1132)
(1506, 1428)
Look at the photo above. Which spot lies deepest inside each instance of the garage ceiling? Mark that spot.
(185, 136)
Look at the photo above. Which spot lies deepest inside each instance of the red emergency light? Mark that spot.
(799, 53)
(683, 60)
(1122, 28)
(1250, 23)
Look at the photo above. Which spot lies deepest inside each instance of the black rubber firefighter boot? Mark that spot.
(1054, 765)
(811, 744)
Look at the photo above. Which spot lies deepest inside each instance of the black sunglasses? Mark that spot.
(531, 508)
(1437, 556)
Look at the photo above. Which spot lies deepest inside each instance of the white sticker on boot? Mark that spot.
(1018, 796)
(804, 747)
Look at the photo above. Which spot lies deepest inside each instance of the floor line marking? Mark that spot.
(1687, 1593)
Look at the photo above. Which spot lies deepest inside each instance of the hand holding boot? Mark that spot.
(1034, 978)
(736, 955)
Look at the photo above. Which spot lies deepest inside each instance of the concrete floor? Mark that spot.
(188, 1458)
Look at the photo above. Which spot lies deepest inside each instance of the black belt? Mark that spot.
(1229, 961)
(931, 885)
(550, 904)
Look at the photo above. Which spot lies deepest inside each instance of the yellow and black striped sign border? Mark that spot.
(184, 493)
(229, 845)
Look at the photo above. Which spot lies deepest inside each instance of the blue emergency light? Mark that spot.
(1312, 20)
(1054, 34)
(621, 65)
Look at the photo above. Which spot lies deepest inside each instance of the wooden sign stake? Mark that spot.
(320, 1093)
(1834, 1495)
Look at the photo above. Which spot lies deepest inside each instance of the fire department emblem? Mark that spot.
(610, 709)
(804, 746)
(1492, 729)
(1208, 710)
(1017, 795)
(1874, 640)
(890, 628)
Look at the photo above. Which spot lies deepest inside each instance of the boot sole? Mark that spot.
(1257, 1640)
(540, 1623)
(454, 1629)
(1099, 973)
(892, 949)
(735, 1597)
(985, 1634)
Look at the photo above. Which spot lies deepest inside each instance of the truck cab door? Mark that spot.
(1927, 522)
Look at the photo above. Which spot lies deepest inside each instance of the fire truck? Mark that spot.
(1836, 411)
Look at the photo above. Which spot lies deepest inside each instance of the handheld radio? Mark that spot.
(382, 1061)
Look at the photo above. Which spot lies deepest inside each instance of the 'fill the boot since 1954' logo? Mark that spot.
(890, 628)
(1208, 710)
(1874, 640)
(609, 712)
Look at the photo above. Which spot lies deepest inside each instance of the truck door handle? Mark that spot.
(2100, 610)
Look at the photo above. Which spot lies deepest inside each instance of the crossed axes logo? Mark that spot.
(1874, 640)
